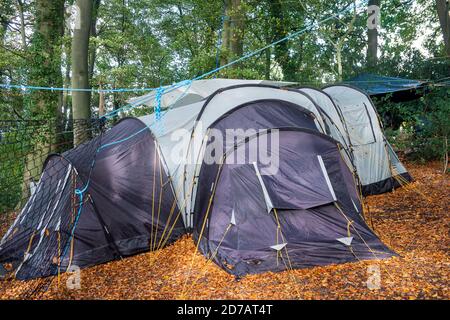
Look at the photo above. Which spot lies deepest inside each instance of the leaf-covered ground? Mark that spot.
(413, 221)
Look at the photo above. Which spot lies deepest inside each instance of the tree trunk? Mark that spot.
(3, 28)
(268, 64)
(340, 43)
(22, 24)
(46, 52)
(101, 104)
(233, 31)
(66, 104)
(237, 29)
(339, 62)
(67, 110)
(443, 10)
(45, 49)
(226, 34)
(93, 47)
(372, 40)
(279, 32)
(121, 59)
(80, 70)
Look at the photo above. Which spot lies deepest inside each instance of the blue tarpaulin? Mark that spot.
(378, 85)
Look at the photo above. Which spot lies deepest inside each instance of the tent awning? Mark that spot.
(379, 85)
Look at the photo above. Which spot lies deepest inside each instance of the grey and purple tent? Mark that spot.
(144, 183)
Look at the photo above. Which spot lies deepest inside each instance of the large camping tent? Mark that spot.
(183, 131)
(301, 203)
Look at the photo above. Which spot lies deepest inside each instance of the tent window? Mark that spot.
(359, 124)
(370, 121)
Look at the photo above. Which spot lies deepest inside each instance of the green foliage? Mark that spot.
(148, 43)
(422, 126)
(11, 175)
(431, 138)
(15, 143)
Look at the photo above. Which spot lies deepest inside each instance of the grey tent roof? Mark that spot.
(197, 91)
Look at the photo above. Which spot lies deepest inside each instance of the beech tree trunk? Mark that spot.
(339, 63)
(237, 29)
(372, 41)
(225, 34)
(443, 10)
(233, 31)
(45, 71)
(80, 70)
(93, 47)
(22, 23)
(280, 31)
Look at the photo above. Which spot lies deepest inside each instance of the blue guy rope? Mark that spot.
(158, 126)
(141, 100)
(158, 98)
(26, 87)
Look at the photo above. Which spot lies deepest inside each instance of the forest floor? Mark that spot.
(414, 222)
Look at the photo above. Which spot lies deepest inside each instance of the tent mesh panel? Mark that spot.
(39, 240)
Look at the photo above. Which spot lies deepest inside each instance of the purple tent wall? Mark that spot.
(126, 190)
(257, 115)
(128, 204)
(311, 234)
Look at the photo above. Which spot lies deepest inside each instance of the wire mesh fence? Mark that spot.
(24, 147)
(35, 239)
